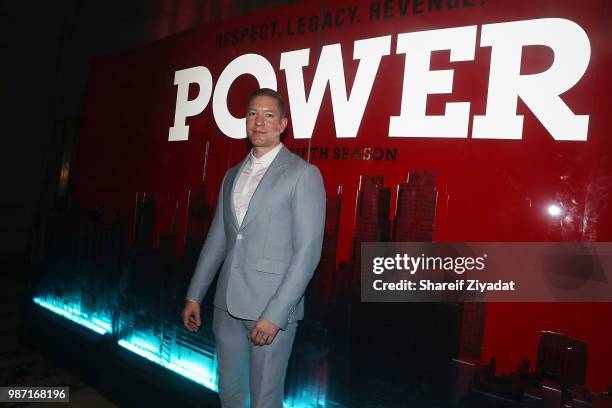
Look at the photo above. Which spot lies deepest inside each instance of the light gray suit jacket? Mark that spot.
(268, 260)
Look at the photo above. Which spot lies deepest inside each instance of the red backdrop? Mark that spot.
(488, 190)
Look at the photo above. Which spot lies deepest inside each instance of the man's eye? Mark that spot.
(250, 113)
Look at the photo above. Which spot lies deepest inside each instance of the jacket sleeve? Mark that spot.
(308, 221)
(211, 255)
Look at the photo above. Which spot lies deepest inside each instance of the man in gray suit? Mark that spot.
(267, 234)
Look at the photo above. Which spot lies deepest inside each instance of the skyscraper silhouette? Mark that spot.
(371, 223)
(416, 208)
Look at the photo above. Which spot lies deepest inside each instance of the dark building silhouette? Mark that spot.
(472, 330)
(324, 282)
(416, 208)
(371, 222)
(562, 359)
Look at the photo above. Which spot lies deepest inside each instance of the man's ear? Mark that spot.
(283, 124)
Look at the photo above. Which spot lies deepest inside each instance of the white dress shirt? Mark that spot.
(249, 178)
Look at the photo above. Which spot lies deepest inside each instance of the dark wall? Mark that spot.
(47, 48)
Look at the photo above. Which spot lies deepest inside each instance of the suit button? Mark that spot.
(239, 236)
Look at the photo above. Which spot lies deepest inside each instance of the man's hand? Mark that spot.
(263, 332)
(191, 316)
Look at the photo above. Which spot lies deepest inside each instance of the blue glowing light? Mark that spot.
(74, 313)
(305, 400)
(197, 367)
(200, 367)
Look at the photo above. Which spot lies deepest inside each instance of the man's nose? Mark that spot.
(259, 119)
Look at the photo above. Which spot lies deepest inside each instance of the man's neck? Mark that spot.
(260, 151)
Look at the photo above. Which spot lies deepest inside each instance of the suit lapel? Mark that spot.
(258, 201)
(228, 192)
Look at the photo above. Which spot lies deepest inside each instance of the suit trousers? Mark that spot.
(244, 367)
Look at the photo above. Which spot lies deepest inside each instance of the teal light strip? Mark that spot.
(75, 314)
(200, 369)
(196, 367)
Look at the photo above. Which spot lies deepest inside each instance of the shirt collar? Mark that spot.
(267, 158)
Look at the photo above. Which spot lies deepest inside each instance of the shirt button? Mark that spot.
(239, 236)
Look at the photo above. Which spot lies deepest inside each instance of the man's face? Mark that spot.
(264, 123)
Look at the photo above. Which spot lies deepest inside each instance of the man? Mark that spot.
(267, 233)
